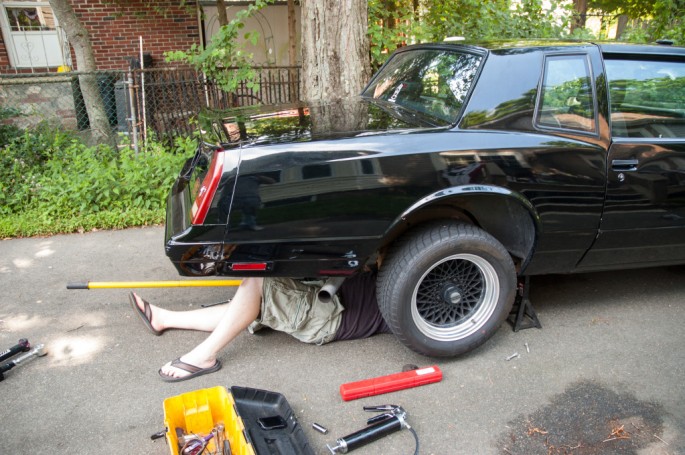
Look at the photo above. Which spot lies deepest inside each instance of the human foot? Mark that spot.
(179, 370)
(144, 310)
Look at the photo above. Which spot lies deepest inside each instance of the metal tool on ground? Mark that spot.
(393, 419)
(390, 383)
(152, 284)
(22, 345)
(38, 351)
(320, 428)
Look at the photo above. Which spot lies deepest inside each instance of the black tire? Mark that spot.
(444, 289)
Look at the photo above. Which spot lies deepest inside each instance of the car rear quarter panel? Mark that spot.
(342, 198)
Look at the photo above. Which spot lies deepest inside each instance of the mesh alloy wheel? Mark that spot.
(455, 297)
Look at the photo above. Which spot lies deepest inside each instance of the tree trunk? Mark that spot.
(292, 34)
(335, 48)
(621, 26)
(580, 17)
(292, 52)
(221, 11)
(85, 62)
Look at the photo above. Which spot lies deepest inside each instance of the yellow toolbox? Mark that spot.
(255, 422)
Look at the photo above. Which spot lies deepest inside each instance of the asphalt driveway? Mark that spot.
(605, 375)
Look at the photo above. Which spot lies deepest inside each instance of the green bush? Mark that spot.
(8, 131)
(50, 182)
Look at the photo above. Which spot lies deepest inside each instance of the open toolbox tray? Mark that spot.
(239, 410)
(253, 404)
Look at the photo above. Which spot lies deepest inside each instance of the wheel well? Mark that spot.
(505, 219)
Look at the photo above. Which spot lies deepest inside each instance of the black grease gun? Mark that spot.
(394, 419)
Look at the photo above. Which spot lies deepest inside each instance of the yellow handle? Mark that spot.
(152, 284)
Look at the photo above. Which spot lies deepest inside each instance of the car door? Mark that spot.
(643, 222)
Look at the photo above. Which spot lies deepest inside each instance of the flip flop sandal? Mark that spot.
(145, 314)
(192, 369)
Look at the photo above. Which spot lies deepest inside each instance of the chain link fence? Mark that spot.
(136, 102)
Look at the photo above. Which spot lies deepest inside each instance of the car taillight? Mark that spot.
(207, 189)
(249, 266)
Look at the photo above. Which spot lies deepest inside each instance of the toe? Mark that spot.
(173, 372)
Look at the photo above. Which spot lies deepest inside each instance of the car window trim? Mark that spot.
(593, 86)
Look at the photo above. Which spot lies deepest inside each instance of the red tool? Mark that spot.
(390, 383)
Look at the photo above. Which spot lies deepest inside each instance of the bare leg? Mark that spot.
(202, 319)
(238, 314)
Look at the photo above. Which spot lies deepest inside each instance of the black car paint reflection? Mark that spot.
(316, 189)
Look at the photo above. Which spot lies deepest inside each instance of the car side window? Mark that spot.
(566, 98)
(647, 98)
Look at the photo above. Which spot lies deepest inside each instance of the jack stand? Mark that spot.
(523, 315)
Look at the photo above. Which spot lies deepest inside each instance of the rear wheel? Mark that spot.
(446, 288)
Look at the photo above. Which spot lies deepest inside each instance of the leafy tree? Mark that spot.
(395, 23)
(497, 19)
(631, 8)
(85, 60)
(225, 59)
(646, 20)
(668, 21)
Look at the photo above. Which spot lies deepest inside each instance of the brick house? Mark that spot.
(32, 41)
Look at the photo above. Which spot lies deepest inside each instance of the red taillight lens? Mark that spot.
(249, 266)
(208, 188)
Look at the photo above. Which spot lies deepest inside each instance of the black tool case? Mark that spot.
(255, 404)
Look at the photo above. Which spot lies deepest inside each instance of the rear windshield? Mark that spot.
(431, 82)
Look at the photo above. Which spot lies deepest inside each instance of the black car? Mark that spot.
(460, 169)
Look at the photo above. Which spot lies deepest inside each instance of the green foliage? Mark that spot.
(8, 131)
(50, 182)
(650, 20)
(394, 23)
(668, 21)
(391, 24)
(476, 20)
(631, 8)
(225, 59)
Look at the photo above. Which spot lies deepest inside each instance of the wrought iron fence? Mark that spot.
(162, 101)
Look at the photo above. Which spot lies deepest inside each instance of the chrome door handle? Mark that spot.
(624, 165)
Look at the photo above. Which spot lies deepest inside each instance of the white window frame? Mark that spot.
(44, 60)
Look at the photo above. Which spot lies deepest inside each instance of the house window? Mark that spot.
(29, 19)
(31, 34)
(316, 171)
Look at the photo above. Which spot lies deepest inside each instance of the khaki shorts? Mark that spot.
(292, 307)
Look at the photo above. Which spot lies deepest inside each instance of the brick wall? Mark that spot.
(115, 28)
(4, 59)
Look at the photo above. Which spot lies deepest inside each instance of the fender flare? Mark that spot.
(519, 234)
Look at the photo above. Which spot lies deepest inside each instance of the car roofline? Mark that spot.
(496, 45)
(641, 49)
(607, 47)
